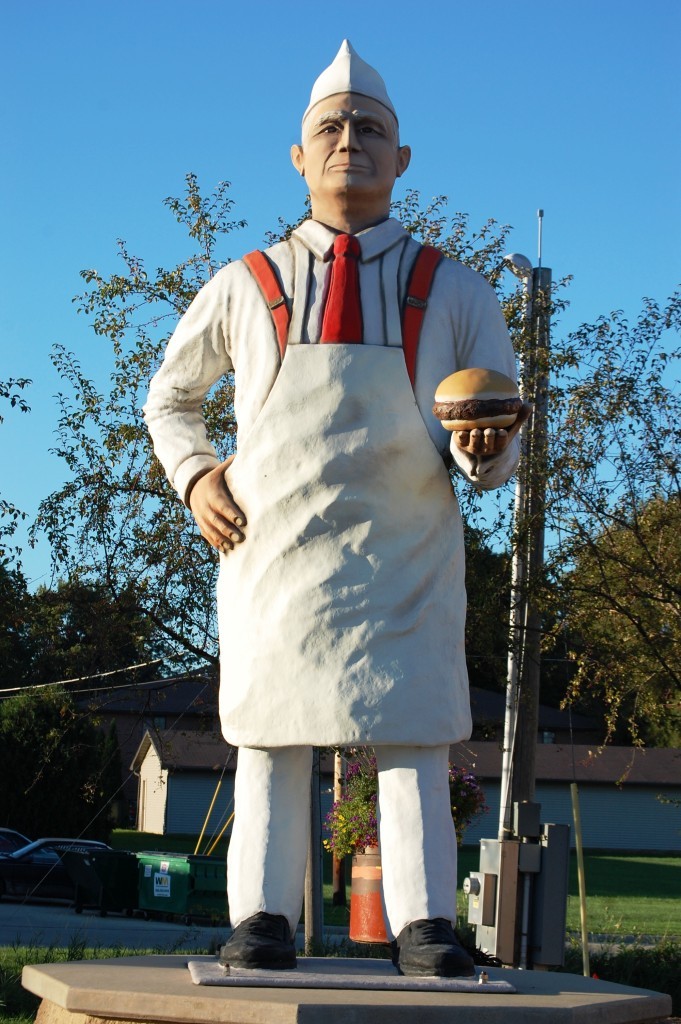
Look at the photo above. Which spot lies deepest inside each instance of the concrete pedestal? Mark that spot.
(160, 989)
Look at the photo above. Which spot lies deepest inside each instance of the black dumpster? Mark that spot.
(105, 879)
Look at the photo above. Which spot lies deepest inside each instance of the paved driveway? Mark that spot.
(47, 924)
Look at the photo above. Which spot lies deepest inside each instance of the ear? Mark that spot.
(297, 159)
(403, 159)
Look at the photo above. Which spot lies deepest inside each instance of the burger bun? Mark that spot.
(476, 399)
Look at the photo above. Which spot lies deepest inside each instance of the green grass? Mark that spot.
(626, 894)
(129, 839)
(17, 1006)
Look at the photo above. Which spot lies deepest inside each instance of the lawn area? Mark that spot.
(626, 894)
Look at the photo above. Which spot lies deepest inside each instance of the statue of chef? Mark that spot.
(341, 599)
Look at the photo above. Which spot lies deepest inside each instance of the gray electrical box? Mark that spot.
(549, 902)
(526, 819)
(518, 899)
(499, 858)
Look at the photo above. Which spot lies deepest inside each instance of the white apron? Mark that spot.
(342, 613)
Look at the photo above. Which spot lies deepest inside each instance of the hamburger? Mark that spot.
(476, 399)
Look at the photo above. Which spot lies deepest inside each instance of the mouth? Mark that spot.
(345, 166)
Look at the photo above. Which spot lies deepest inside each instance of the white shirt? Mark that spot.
(229, 327)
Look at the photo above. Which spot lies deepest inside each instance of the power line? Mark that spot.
(98, 675)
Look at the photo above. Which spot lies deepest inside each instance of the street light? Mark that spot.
(519, 265)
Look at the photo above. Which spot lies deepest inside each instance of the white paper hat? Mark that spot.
(349, 73)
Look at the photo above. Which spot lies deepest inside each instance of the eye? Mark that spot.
(369, 129)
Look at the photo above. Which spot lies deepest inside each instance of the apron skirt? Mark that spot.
(342, 613)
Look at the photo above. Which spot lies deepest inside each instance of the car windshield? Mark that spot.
(43, 855)
(52, 847)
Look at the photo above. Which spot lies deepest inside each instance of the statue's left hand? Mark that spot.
(491, 441)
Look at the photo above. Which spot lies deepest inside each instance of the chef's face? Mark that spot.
(350, 149)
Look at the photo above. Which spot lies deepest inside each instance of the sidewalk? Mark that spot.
(47, 924)
(56, 924)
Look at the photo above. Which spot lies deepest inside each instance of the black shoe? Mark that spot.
(264, 941)
(431, 948)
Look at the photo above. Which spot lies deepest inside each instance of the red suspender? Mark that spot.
(267, 281)
(418, 290)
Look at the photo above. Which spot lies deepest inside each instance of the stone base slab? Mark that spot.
(153, 989)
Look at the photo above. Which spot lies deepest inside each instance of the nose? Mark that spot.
(349, 139)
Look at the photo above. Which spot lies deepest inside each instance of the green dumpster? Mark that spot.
(105, 879)
(183, 885)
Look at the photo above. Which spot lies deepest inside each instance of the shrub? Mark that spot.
(654, 967)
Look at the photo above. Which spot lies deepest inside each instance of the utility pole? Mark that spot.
(522, 692)
(517, 900)
(524, 755)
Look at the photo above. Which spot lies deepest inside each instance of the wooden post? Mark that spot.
(339, 892)
(314, 893)
(574, 794)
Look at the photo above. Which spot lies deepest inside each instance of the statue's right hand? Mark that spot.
(219, 519)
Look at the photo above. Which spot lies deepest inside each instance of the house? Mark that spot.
(190, 702)
(629, 799)
(488, 708)
(183, 776)
(187, 702)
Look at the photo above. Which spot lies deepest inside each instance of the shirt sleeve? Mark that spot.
(196, 357)
(481, 339)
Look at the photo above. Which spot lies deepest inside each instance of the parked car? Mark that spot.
(36, 870)
(10, 840)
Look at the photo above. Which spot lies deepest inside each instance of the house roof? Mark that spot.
(188, 694)
(192, 750)
(563, 762)
(490, 706)
(186, 750)
(198, 694)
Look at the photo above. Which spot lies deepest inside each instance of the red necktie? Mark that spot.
(342, 320)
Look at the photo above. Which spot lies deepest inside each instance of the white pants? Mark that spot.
(268, 849)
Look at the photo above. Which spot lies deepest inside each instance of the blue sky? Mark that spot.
(572, 107)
